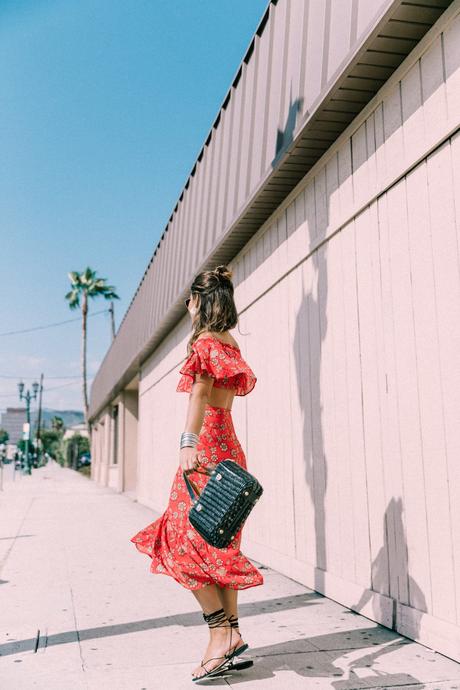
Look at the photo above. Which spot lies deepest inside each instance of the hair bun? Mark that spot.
(223, 272)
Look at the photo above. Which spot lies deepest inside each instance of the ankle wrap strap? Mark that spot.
(216, 619)
(233, 620)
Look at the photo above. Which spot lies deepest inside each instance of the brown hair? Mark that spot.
(216, 309)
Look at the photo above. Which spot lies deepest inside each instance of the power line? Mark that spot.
(72, 383)
(45, 390)
(5, 376)
(52, 325)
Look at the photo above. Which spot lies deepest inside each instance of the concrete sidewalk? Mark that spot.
(79, 609)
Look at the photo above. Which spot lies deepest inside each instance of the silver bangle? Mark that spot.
(188, 439)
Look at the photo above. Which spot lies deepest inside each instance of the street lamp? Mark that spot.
(28, 397)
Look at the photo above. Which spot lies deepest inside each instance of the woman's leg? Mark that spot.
(208, 598)
(229, 602)
(222, 638)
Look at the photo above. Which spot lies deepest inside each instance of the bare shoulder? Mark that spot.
(225, 337)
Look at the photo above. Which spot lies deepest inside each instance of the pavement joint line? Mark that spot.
(13, 539)
(372, 645)
(74, 614)
(322, 651)
(420, 684)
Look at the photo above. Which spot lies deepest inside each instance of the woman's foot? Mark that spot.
(224, 641)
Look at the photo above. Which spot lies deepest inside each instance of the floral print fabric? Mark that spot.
(220, 360)
(175, 547)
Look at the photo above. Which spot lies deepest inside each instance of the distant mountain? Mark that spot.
(69, 417)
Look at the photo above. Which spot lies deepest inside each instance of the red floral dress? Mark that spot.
(175, 547)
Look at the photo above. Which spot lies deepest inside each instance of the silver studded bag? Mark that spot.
(219, 511)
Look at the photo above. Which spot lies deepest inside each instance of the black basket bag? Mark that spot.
(219, 511)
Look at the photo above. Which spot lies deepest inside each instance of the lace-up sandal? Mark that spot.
(217, 619)
(235, 665)
(233, 620)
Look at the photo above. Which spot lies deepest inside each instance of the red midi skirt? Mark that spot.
(175, 547)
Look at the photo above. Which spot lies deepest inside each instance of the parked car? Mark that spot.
(84, 460)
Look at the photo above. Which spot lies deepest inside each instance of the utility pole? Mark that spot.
(112, 314)
(39, 421)
(27, 397)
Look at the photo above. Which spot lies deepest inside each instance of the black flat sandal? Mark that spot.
(233, 664)
(218, 619)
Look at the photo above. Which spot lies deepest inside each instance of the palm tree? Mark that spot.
(88, 286)
(57, 423)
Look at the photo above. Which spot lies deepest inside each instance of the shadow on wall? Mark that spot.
(285, 136)
(388, 570)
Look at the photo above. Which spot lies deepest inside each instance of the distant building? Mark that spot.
(81, 429)
(12, 421)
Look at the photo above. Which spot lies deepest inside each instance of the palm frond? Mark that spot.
(74, 277)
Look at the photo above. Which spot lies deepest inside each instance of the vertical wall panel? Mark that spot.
(291, 106)
(447, 333)
(417, 454)
(314, 56)
(175, 232)
(321, 204)
(234, 155)
(219, 176)
(406, 396)
(300, 430)
(360, 164)
(345, 179)
(175, 253)
(343, 518)
(211, 193)
(201, 208)
(412, 113)
(433, 92)
(371, 155)
(261, 96)
(316, 458)
(285, 118)
(369, 534)
(339, 36)
(274, 85)
(451, 51)
(453, 404)
(232, 114)
(332, 191)
(392, 131)
(249, 72)
(242, 136)
(193, 229)
(367, 10)
(209, 180)
(185, 232)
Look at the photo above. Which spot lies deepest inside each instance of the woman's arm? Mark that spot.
(199, 397)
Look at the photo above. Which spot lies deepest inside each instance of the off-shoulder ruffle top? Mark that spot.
(222, 361)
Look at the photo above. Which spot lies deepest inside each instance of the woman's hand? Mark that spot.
(188, 458)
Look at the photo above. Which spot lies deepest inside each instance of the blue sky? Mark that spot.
(105, 105)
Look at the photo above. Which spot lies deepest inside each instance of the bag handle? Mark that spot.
(191, 486)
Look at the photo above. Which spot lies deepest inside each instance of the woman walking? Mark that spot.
(213, 373)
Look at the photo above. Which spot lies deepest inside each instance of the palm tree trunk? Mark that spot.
(112, 315)
(84, 309)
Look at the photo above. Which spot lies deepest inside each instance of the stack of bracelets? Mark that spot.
(188, 439)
